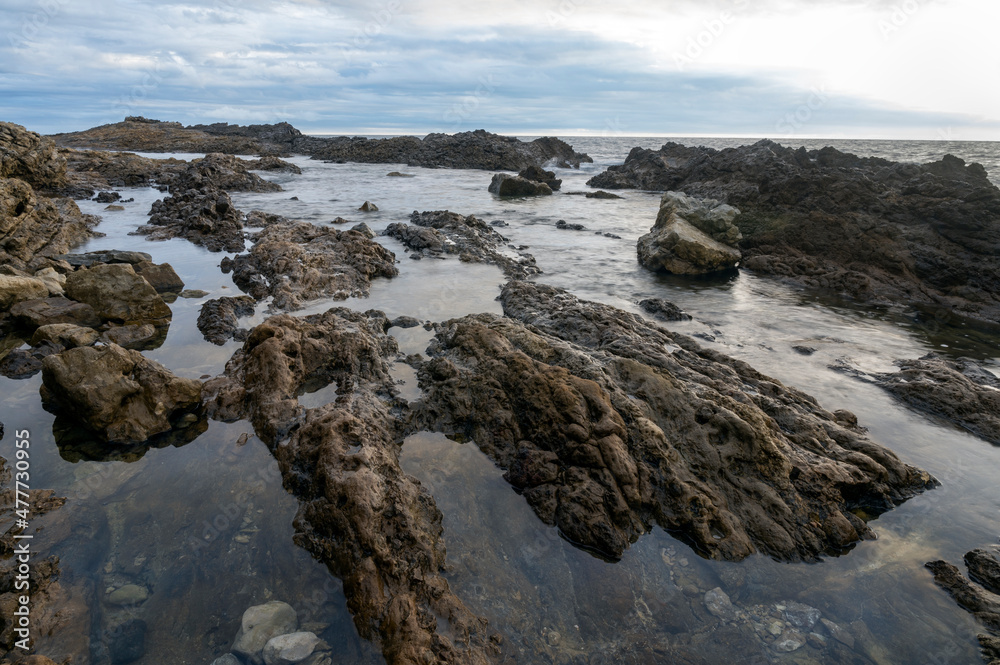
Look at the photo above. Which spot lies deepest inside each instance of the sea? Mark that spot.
(204, 528)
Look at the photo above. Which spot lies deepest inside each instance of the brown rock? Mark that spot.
(44, 311)
(117, 293)
(161, 276)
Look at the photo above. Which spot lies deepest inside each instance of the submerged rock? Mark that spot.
(260, 624)
(375, 527)
(685, 238)
(663, 310)
(875, 230)
(297, 261)
(504, 184)
(117, 393)
(441, 232)
(218, 320)
(981, 604)
(290, 648)
(608, 425)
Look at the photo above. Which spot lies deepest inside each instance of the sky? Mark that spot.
(897, 69)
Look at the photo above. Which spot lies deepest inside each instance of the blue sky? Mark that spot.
(779, 68)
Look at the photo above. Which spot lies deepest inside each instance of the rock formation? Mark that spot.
(504, 184)
(608, 425)
(691, 237)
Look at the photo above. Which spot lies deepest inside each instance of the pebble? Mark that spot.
(130, 594)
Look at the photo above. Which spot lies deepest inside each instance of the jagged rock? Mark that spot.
(44, 311)
(364, 230)
(969, 597)
(374, 526)
(663, 310)
(33, 226)
(566, 226)
(67, 335)
(18, 289)
(30, 157)
(601, 194)
(117, 393)
(538, 174)
(984, 569)
(404, 322)
(272, 163)
(142, 135)
(107, 197)
(104, 256)
(161, 276)
(368, 206)
(875, 230)
(259, 624)
(504, 184)
(117, 293)
(218, 320)
(297, 261)
(102, 169)
(960, 391)
(678, 242)
(25, 363)
(597, 416)
(441, 232)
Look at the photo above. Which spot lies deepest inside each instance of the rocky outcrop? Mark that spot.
(983, 567)
(296, 261)
(663, 310)
(441, 232)
(874, 230)
(960, 391)
(100, 169)
(31, 158)
(466, 150)
(161, 276)
(33, 226)
(375, 527)
(218, 320)
(607, 425)
(117, 393)
(272, 163)
(504, 184)
(538, 174)
(117, 293)
(691, 237)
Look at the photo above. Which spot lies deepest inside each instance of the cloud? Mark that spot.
(770, 68)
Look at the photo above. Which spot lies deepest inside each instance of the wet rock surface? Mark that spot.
(608, 425)
(875, 230)
(117, 293)
(958, 390)
(441, 232)
(218, 320)
(983, 566)
(117, 393)
(663, 310)
(373, 526)
(504, 184)
(691, 237)
(297, 261)
(538, 174)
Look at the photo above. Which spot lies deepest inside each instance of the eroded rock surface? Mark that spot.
(983, 567)
(875, 230)
(691, 237)
(609, 425)
(297, 261)
(218, 320)
(441, 232)
(375, 527)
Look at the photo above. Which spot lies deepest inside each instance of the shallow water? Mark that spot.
(206, 526)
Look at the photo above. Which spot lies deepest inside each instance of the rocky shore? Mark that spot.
(478, 149)
(879, 232)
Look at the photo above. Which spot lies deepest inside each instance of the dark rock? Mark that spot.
(984, 568)
(374, 526)
(101, 169)
(969, 597)
(25, 363)
(397, 174)
(441, 233)
(296, 261)
(538, 174)
(117, 293)
(601, 194)
(661, 309)
(219, 318)
(272, 163)
(117, 393)
(594, 413)
(128, 642)
(104, 256)
(44, 311)
(804, 350)
(161, 276)
(404, 322)
(144, 336)
(108, 197)
(566, 226)
(504, 184)
(874, 230)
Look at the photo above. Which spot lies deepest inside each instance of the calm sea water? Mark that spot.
(206, 527)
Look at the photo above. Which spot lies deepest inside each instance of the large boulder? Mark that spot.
(161, 276)
(33, 226)
(15, 289)
(504, 184)
(290, 649)
(117, 393)
(689, 237)
(538, 174)
(117, 293)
